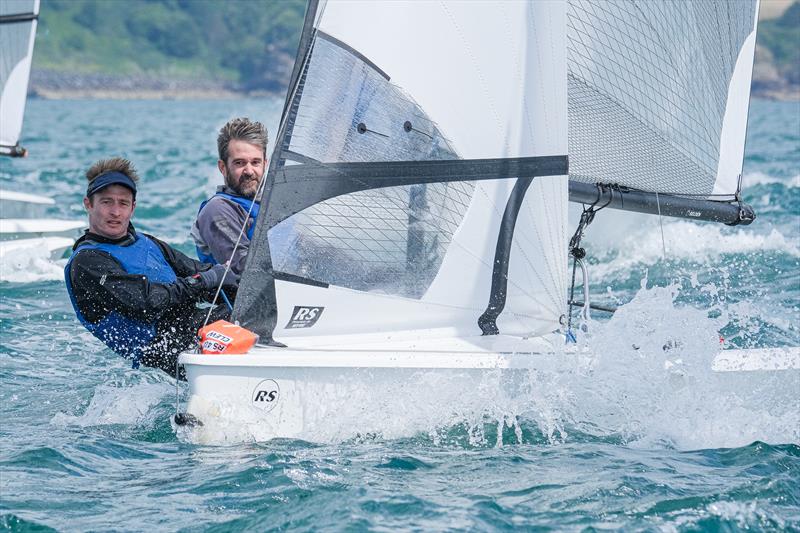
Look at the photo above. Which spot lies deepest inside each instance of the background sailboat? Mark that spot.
(416, 225)
(23, 228)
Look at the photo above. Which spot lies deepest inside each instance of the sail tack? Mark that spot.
(17, 32)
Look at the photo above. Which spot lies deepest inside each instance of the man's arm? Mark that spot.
(219, 224)
(102, 285)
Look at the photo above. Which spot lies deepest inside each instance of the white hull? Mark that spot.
(15, 204)
(25, 232)
(289, 392)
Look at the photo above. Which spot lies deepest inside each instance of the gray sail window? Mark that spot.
(390, 240)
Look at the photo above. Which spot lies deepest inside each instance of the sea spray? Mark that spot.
(643, 377)
(652, 380)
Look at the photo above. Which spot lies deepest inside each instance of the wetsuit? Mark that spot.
(152, 322)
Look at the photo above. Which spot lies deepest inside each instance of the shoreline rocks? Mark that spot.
(54, 85)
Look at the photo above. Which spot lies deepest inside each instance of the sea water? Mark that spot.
(639, 436)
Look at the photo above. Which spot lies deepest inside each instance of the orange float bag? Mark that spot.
(224, 337)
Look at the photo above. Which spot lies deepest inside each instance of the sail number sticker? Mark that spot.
(304, 316)
(266, 395)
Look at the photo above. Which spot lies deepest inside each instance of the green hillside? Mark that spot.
(250, 43)
(781, 37)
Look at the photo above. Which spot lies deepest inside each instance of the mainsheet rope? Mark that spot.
(578, 253)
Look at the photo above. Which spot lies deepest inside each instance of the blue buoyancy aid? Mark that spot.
(246, 204)
(124, 335)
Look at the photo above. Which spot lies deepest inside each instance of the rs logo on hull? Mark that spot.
(304, 316)
(266, 394)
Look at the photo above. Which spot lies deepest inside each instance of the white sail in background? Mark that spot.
(391, 84)
(659, 93)
(17, 33)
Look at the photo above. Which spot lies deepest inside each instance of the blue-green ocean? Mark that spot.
(86, 443)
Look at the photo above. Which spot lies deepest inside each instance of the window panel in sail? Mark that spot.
(391, 239)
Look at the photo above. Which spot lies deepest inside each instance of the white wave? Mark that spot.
(759, 178)
(117, 405)
(31, 260)
(690, 241)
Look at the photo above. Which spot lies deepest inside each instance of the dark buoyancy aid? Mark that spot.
(246, 204)
(124, 335)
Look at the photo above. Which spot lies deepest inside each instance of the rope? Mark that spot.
(184, 418)
(578, 253)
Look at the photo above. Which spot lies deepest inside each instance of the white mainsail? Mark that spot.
(385, 87)
(413, 233)
(17, 33)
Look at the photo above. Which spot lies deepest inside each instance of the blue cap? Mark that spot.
(111, 178)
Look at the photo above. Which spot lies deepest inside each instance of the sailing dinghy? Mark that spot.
(24, 226)
(415, 238)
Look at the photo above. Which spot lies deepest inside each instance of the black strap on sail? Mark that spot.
(296, 187)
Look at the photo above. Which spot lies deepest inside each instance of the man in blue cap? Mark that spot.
(130, 290)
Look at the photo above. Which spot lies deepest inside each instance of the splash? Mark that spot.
(652, 380)
(644, 378)
(33, 260)
(112, 405)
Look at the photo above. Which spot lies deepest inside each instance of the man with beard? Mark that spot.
(242, 146)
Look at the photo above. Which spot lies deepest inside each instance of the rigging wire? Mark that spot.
(186, 419)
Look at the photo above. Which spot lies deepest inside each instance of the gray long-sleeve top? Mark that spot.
(217, 228)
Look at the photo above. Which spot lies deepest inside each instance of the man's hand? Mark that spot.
(216, 275)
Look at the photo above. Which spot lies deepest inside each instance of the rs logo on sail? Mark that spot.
(304, 316)
(266, 394)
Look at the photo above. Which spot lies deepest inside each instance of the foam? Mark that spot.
(687, 240)
(752, 179)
